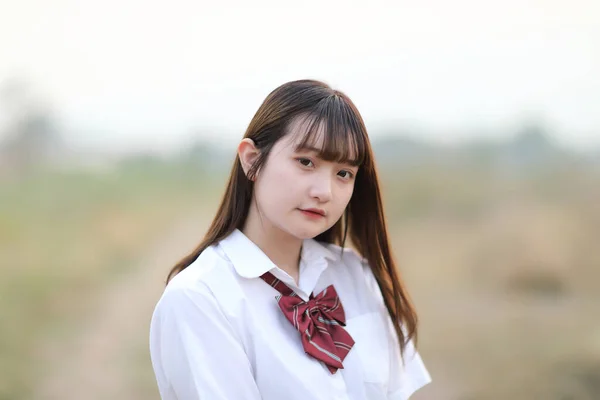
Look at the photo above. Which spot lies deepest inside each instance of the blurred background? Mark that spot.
(119, 122)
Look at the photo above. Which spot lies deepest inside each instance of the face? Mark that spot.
(299, 193)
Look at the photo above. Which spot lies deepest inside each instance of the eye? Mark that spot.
(348, 175)
(305, 161)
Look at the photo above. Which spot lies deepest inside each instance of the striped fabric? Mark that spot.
(320, 322)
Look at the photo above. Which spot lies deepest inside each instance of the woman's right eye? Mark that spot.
(305, 161)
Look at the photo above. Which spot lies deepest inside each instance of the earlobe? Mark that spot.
(248, 153)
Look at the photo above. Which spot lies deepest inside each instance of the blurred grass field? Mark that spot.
(504, 270)
(506, 276)
(65, 235)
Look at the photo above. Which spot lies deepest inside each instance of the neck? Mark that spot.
(282, 248)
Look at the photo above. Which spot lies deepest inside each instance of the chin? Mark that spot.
(307, 233)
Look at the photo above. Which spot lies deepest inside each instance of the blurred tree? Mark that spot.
(203, 155)
(533, 137)
(30, 138)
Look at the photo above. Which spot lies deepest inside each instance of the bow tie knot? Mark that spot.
(320, 321)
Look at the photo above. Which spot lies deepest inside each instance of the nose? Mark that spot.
(321, 188)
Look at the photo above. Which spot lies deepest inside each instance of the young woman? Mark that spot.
(273, 304)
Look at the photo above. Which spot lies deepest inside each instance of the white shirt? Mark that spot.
(217, 332)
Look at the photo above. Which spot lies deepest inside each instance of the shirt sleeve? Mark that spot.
(408, 377)
(194, 351)
(405, 377)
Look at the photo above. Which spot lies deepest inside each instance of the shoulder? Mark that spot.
(350, 263)
(353, 262)
(190, 311)
(195, 284)
(346, 255)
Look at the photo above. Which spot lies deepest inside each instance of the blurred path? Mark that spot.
(101, 359)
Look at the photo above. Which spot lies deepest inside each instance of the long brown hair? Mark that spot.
(363, 219)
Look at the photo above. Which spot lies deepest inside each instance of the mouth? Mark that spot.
(313, 212)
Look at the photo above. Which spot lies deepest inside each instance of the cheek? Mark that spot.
(277, 187)
(343, 196)
(349, 192)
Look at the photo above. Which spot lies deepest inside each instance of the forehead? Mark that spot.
(308, 134)
(303, 129)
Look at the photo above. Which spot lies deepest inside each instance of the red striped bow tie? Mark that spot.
(320, 322)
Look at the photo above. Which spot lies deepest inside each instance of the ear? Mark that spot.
(248, 154)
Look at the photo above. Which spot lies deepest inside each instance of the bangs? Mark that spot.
(335, 131)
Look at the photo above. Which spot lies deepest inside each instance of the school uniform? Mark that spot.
(219, 330)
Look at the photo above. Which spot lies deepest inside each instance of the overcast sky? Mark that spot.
(133, 74)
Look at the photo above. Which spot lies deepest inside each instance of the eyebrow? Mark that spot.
(354, 163)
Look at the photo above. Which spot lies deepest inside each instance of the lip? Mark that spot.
(316, 212)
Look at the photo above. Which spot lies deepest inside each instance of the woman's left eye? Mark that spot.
(349, 175)
(305, 161)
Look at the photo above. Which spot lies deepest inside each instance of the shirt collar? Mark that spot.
(250, 261)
